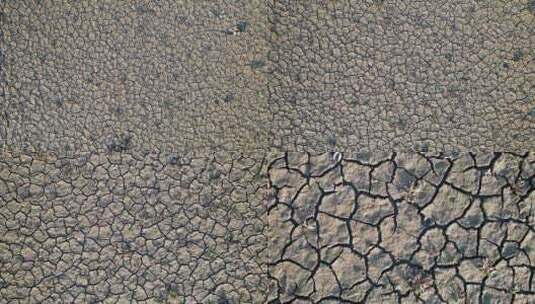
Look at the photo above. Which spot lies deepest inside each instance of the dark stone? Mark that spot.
(257, 64)
(181, 19)
(401, 122)
(172, 158)
(453, 154)
(229, 31)
(229, 98)
(414, 271)
(510, 249)
(119, 110)
(223, 301)
(242, 26)
(292, 99)
(441, 167)
(405, 179)
(58, 101)
(472, 221)
(427, 222)
(363, 156)
(213, 175)
(110, 144)
(331, 141)
(518, 55)
(119, 143)
(24, 192)
(423, 147)
(531, 6)
(391, 84)
(531, 113)
(144, 10)
(488, 298)
(292, 289)
(308, 171)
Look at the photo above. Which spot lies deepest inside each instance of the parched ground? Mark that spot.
(400, 75)
(268, 75)
(178, 75)
(402, 228)
(181, 151)
(253, 228)
(132, 227)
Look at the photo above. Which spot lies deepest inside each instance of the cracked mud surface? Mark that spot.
(87, 216)
(143, 227)
(294, 228)
(177, 75)
(383, 75)
(257, 75)
(402, 228)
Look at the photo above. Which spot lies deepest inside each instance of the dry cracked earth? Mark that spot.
(183, 151)
(402, 228)
(256, 228)
(132, 227)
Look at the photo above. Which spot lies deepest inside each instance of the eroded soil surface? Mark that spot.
(254, 228)
(120, 75)
(395, 75)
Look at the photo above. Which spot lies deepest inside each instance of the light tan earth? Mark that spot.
(267, 228)
(396, 75)
(119, 75)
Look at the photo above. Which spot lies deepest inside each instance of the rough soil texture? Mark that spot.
(144, 151)
(177, 75)
(141, 227)
(402, 228)
(290, 228)
(401, 75)
(244, 75)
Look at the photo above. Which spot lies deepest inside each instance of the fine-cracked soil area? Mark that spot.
(177, 75)
(396, 75)
(220, 228)
(141, 227)
(253, 75)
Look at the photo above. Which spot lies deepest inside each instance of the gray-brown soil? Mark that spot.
(268, 75)
(143, 151)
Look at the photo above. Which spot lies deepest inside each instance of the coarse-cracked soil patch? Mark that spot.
(402, 228)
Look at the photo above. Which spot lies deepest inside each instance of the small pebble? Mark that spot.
(229, 98)
(242, 26)
(518, 55)
(172, 159)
